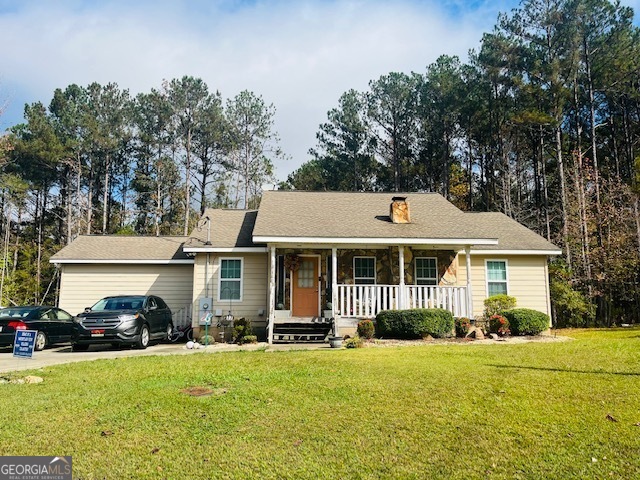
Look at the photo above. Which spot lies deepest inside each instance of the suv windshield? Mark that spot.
(119, 303)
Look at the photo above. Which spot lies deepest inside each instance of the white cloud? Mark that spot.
(300, 56)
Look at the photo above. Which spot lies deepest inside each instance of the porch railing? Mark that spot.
(453, 299)
(365, 301)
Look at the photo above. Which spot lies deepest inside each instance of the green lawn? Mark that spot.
(536, 410)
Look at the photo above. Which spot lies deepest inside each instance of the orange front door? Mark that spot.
(305, 289)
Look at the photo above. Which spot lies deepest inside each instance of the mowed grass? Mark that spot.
(536, 410)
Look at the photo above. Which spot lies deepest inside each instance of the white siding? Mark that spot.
(82, 285)
(255, 284)
(527, 280)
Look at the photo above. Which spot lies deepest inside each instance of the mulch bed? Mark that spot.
(463, 341)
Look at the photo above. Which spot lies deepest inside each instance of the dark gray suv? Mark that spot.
(123, 320)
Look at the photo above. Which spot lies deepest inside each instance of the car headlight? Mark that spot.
(127, 317)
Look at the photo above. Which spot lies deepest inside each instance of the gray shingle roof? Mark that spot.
(361, 215)
(511, 234)
(92, 248)
(318, 215)
(229, 229)
(366, 215)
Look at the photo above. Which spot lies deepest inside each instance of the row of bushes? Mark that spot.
(518, 321)
(504, 318)
(500, 315)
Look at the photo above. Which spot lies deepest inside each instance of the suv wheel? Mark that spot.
(169, 331)
(144, 337)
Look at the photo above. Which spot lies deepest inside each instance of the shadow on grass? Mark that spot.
(564, 370)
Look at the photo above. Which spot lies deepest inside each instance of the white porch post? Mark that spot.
(334, 288)
(272, 293)
(467, 256)
(402, 296)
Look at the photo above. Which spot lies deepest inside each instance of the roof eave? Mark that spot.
(375, 241)
(225, 249)
(549, 253)
(130, 261)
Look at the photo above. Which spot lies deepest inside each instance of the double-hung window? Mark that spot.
(364, 270)
(426, 271)
(230, 286)
(496, 277)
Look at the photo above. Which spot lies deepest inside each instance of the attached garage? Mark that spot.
(93, 267)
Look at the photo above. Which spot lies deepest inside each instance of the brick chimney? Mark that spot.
(399, 210)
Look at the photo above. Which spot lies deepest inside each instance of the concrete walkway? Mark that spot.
(63, 354)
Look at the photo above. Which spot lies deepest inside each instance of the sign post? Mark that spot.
(24, 343)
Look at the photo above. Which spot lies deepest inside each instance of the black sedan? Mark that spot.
(52, 324)
(123, 320)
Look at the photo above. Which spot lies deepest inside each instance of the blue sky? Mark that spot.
(300, 56)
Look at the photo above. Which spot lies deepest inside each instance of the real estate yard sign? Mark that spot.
(24, 343)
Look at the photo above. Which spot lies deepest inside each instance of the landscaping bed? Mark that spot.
(392, 342)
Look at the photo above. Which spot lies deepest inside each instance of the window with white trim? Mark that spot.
(496, 277)
(230, 279)
(364, 270)
(426, 271)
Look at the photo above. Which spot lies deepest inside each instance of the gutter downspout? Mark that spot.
(206, 277)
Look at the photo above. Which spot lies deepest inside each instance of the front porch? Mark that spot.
(335, 283)
(365, 301)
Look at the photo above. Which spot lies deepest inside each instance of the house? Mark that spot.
(305, 256)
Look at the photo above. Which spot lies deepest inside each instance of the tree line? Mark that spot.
(541, 123)
(100, 161)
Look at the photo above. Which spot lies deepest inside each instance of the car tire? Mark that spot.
(41, 341)
(169, 332)
(145, 337)
(78, 347)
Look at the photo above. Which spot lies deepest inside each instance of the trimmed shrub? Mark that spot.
(355, 342)
(497, 304)
(366, 329)
(416, 323)
(241, 329)
(248, 339)
(524, 321)
(463, 325)
(499, 324)
(207, 340)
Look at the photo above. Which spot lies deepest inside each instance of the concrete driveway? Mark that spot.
(63, 354)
